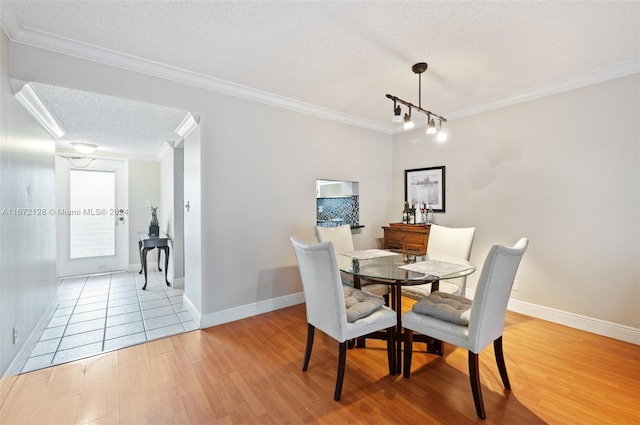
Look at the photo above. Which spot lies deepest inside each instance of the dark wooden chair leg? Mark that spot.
(474, 377)
(342, 359)
(391, 350)
(408, 352)
(435, 346)
(307, 352)
(502, 367)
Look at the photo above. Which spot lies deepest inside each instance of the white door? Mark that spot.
(91, 215)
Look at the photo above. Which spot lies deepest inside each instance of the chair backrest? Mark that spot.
(341, 238)
(322, 287)
(451, 241)
(455, 242)
(486, 322)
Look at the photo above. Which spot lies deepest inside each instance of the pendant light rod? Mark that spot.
(411, 105)
(417, 68)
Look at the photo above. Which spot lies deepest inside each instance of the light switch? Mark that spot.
(147, 204)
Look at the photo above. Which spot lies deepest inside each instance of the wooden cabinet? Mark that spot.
(407, 237)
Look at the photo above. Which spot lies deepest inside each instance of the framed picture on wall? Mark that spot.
(425, 185)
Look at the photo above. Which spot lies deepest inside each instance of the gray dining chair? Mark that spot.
(326, 309)
(467, 324)
(449, 241)
(343, 242)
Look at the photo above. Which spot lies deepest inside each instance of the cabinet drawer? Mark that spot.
(412, 247)
(405, 238)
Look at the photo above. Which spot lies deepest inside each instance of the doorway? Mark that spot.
(91, 215)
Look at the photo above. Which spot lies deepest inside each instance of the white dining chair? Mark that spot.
(326, 309)
(449, 241)
(343, 242)
(467, 324)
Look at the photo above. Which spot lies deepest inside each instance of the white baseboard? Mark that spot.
(22, 356)
(249, 310)
(576, 321)
(177, 282)
(195, 313)
(133, 267)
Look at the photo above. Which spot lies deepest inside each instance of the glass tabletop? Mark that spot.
(389, 267)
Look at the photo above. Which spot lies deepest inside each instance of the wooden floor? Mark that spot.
(249, 372)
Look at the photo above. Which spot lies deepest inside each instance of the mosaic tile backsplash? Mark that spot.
(338, 211)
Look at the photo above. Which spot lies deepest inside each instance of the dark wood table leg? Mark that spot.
(140, 251)
(144, 265)
(435, 285)
(166, 263)
(397, 303)
(160, 249)
(435, 346)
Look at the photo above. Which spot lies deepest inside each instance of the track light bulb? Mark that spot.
(408, 124)
(442, 136)
(431, 127)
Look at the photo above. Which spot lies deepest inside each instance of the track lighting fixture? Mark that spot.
(442, 136)
(408, 124)
(418, 68)
(431, 126)
(397, 113)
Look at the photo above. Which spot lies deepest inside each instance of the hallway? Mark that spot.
(96, 314)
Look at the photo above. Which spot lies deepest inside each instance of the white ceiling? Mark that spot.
(345, 56)
(117, 126)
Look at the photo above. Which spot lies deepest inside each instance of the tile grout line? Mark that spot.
(144, 325)
(85, 287)
(106, 314)
(55, 353)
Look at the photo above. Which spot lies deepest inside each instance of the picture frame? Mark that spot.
(426, 185)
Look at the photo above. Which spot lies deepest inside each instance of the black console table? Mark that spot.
(146, 243)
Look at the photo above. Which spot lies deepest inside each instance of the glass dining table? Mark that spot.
(399, 269)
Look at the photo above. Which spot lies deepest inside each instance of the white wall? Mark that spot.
(258, 170)
(27, 242)
(171, 214)
(561, 170)
(259, 188)
(144, 185)
(193, 222)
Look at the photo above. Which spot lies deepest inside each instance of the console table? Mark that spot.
(145, 244)
(411, 238)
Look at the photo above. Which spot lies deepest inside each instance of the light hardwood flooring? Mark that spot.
(249, 372)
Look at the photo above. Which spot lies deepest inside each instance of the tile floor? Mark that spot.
(103, 313)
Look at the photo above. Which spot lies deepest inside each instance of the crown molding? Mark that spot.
(110, 57)
(164, 150)
(188, 124)
(40, 39)
(555, 87)
(582, 80)
(32, 103)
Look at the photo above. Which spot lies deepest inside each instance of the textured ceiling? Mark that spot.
(117, 126)
(345, 56)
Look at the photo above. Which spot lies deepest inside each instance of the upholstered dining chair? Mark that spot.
(343, 242)
(454, 242)
(326, 309)
(470, 324)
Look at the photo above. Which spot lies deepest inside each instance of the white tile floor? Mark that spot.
(103, 313)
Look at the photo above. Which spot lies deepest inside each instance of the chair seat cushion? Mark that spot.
(443, 306)
(359, 303)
